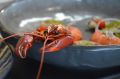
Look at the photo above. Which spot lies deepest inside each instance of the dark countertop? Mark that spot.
(27, 69)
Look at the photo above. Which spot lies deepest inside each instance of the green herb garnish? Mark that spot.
(52, 21)
(84, 43)
(114, 27)
(113, 24)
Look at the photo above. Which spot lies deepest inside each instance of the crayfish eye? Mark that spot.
(45, 32)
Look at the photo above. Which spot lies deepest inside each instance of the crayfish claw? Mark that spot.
(58, 44)
(23, 45)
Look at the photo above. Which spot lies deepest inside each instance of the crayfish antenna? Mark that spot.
(14, 35)
(42, 60)
(3, 39)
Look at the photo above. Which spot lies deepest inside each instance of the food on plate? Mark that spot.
(109, 35)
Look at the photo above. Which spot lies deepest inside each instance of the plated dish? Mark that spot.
(28, 15)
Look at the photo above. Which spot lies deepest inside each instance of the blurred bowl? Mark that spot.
(26, 15)
(6, 60)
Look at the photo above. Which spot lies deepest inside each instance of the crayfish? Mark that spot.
(59, 37)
